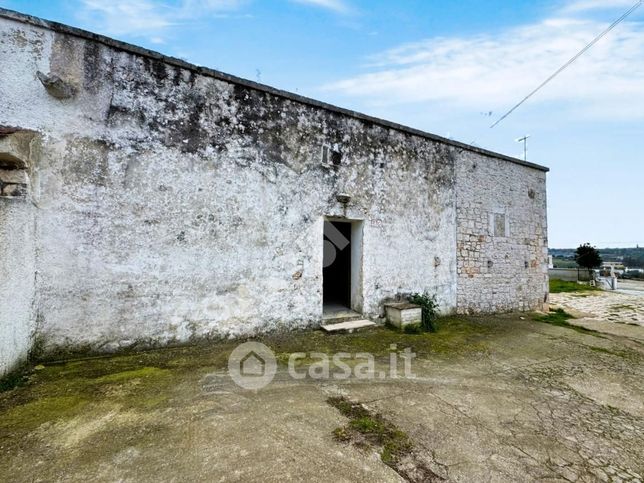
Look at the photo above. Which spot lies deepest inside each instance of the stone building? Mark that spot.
(147, 201)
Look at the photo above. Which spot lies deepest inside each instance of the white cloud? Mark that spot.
(197, 7)
(493, 72)
(148, 18)
(338, 6)
(585, 5)
(119, 17)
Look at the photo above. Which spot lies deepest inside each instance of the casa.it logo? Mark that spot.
(252, 365)
(335, 241)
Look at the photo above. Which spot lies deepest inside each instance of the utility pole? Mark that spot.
(524, 139)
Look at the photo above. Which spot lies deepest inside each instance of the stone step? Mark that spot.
(348, 326)
(334, 317)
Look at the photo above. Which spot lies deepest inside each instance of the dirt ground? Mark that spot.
(503, 398)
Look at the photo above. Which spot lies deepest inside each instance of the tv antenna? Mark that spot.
(524, 139)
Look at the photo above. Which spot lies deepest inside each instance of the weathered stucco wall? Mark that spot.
(17, 248)
(18, 150)
(172, 204)
(17, 273)
(502, 238)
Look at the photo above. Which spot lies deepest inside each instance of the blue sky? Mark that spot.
(447, 67)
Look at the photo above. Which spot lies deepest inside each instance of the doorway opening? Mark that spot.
(342, 267)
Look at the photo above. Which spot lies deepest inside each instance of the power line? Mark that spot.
(574, 58)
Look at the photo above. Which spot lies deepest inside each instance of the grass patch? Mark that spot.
(555, 317)
(413, 329)
(125, 376)
(455, 336)
(14, 379)
(559, 317)
(34, 413)
(367, 429)
(623, 353)
(618, 353)
(563, 286)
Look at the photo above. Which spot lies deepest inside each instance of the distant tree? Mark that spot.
(587, 256)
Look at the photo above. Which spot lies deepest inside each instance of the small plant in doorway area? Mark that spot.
(429, 308)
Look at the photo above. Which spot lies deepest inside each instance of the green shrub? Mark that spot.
(429, 309)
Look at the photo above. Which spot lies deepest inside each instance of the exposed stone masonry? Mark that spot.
(500, 273)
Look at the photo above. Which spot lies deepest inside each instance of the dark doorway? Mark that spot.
(336, 272)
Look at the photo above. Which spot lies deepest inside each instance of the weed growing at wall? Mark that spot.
(429, 307)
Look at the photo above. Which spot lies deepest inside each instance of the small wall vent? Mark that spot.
(331, 156)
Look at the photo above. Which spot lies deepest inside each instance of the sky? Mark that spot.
(448, 67)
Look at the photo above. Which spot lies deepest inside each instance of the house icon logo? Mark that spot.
(252, 365)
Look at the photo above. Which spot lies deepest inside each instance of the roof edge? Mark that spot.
(134, 49)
